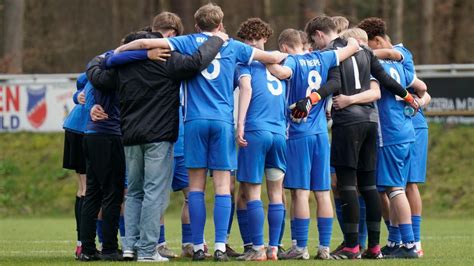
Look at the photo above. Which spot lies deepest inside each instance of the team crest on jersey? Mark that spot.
(37, 109)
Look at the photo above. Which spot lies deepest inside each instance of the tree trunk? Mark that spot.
(397, 22)
(185, 10)
(13, 39)
(427, 8)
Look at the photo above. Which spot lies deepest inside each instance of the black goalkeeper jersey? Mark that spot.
(355, 75)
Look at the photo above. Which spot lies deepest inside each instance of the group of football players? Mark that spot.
(159, 110)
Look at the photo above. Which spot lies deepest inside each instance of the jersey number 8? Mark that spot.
(215, 71)
(314, 82)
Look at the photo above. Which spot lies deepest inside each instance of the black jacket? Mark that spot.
(367, 65)
(149, 91)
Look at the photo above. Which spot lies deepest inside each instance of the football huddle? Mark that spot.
(335, 109)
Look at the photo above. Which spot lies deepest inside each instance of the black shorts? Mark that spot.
(355, 146)
(73, 157)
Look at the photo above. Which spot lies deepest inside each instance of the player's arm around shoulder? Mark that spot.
(143, 44)
(351, 48)
(390, 54)
(274, 57)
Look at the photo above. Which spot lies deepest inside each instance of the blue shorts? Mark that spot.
(308, 163)
(209, 144)
(419, 157)
(264, 150)
(180, 175)
(333, 170)
(393, 165)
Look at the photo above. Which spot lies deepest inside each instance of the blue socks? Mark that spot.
(394, 234)
(186, 233)
(162, 234)
(222, 206)
(122, 226)
(282, 230)
(242, 218)
(301, 232)
(325, 231)
(256, 218)
(292, 226)
(362, 224)
(197, 214)
(406, 231)
(100, 235)
(416, 224)
(276, 217)
(231, 218)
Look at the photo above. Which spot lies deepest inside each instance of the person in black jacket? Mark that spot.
(149, 101)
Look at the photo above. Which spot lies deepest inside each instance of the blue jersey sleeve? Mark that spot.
(90, 100)
(244, 52)
(329, 59)
(181, 44)
(291, 63)
(407, 57)
(243, 70)
(125, 58)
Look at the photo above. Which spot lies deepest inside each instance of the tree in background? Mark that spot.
(13, 36)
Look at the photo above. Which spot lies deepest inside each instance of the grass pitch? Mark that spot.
(51, 241)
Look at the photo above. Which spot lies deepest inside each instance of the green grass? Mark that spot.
(51, 242)
(33, 183)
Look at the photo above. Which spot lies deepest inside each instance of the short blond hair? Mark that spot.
(356, 33)
(342, 23)
(290, 37)
(208, 17)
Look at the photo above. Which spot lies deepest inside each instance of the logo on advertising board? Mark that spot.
(37, 109)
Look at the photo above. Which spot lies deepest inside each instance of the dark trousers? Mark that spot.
(105, 169)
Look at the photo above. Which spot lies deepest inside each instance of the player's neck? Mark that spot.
(332, 36)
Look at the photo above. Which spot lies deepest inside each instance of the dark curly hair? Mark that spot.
(374, 27)
(254, 29)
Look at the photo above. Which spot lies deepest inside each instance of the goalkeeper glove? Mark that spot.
(301, 108)
(411, 101)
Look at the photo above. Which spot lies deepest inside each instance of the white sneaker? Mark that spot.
(155, 258)
(323, 254)
(128, 255)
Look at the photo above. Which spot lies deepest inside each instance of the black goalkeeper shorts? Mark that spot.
(355, 146)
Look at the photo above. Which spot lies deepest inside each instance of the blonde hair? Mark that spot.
(290, 37)
(208, 17)
(356, 33)
(342, 23)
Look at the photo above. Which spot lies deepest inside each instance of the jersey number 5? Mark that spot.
(271, 81)
(216, 69)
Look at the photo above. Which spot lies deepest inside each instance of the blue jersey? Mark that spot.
(394, 126)
(76, 120)
(179, 145)
(418, 120)
(407, 60)
(268, 103)
(209, 95)
(309, 72)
